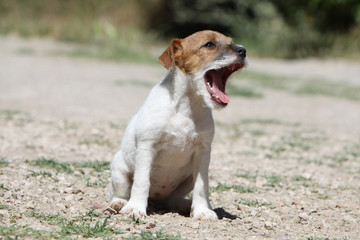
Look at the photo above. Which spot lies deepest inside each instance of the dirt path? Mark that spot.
(284, 165)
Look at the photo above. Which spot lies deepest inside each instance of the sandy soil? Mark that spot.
(284, 166)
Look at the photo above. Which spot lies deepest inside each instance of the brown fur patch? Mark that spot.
(193, 54)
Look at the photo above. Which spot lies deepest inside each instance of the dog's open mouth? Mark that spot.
(215, 81)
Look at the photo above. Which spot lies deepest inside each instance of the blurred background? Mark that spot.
(132, 30)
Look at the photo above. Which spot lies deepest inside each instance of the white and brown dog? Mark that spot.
(165, 151)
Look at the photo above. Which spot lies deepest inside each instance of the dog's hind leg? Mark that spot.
(121, 182)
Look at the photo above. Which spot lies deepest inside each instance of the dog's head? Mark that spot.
(209, 58)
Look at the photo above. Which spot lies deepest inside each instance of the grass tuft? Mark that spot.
(243, 92)
(51, 218)
(3, 162)
(237, 188)
(41, 173)
(20, 232)
(134, 220)
(87, 230)
(256, 203)
(159, 235)
(66, 167)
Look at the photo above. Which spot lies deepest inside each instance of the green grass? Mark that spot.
(348, 153)
(266, 80)
(237, 188)
(134, 220)
(246, 176)
(256, 203)
(60, 167)
(97, 141)
(18, 117)
(4, 206)
(326, 88)
(116, 53)
(295, 142)
(101, 181)
(19, 232)
(303, 86)
(272, 180)
(67, 167)
(98, 166)
(41, 173)
(2, 186)
(299, 179)
(158, 235)
(3, 162)
(54, 219)
(261, 121)
(89, 225)
(87, 230)
(239, 91)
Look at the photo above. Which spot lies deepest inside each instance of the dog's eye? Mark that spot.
(210, 45)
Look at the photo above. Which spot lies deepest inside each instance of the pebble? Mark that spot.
(30, 205)
(151, 224)
(269, 225)
(304, 217)
(324, 224)
(253, 213)
(4, 214)
(194, 225)
(260, 181)
(349, 219)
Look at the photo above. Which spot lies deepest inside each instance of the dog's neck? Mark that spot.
(183, 91)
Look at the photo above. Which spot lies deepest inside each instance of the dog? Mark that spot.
(165, 152)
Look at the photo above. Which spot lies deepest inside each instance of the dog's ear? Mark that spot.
(171, 55)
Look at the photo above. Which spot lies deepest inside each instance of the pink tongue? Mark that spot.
(219, 90)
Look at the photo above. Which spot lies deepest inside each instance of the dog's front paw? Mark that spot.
(134, 210)
(117, 204)
(204, 214)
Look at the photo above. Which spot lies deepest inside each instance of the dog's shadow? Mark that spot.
(160, 209)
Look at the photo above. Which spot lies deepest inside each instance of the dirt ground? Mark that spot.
(284, 165)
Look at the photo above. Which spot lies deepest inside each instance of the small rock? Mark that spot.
(269, 225)
(307, 175)
(60, 207)
(4, 214)
(77, 173)
(30, 205)
(349, 219)
(151, 224)
(253, 213)
(96, 205)
(69, 198)
(194, 225)
(324, 224)
(77, 191)
(304, 217)
(260, 181)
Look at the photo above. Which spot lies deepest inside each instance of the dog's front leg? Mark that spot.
(201, 208)
(137, 203)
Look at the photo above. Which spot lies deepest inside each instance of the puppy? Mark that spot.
(165, 152)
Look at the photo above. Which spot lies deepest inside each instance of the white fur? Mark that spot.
(167, 147)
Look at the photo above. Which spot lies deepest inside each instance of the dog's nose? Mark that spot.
(241, 51)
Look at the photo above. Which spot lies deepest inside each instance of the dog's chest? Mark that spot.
(180, 133)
